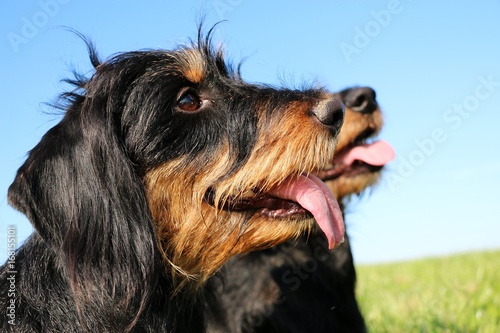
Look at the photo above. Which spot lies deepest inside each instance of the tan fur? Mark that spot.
(192, 65)
(355, 123)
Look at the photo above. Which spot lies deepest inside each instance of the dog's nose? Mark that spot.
(361, 99)
(330, 112)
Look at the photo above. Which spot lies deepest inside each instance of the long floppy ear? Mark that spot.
(83, 196)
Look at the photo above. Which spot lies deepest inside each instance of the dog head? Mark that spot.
(359, 158)
(170, 157)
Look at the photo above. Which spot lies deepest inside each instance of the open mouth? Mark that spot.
(362, 156)
(266, 203)
(304, 195)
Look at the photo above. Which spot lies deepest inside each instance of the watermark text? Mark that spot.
(11, 275)
(31, 25)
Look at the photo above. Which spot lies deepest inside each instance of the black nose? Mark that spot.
(330, 112)
(361, 99)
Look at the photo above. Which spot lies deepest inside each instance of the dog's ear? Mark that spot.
(80, 191)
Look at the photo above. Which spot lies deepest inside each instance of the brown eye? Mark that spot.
(189, 102)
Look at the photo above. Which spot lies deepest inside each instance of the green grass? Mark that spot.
(452, 294)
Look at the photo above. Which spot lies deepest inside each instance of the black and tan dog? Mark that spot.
(165, 165)
(301, 286)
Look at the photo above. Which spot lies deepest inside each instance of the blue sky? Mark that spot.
(435, 67)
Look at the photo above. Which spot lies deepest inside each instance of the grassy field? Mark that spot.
(451, 294)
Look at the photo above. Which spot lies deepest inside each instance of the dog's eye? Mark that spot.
(189, 102)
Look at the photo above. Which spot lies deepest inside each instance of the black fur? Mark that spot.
(315, 290)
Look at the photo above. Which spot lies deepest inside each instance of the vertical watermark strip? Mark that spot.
(11, 274)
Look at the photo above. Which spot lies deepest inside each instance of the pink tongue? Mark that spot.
(376, 154)
(313, 195)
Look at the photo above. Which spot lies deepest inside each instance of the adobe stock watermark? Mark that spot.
(31, 25)
(453, 119)
(224, 6)
(11, 275)
(363, 36)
